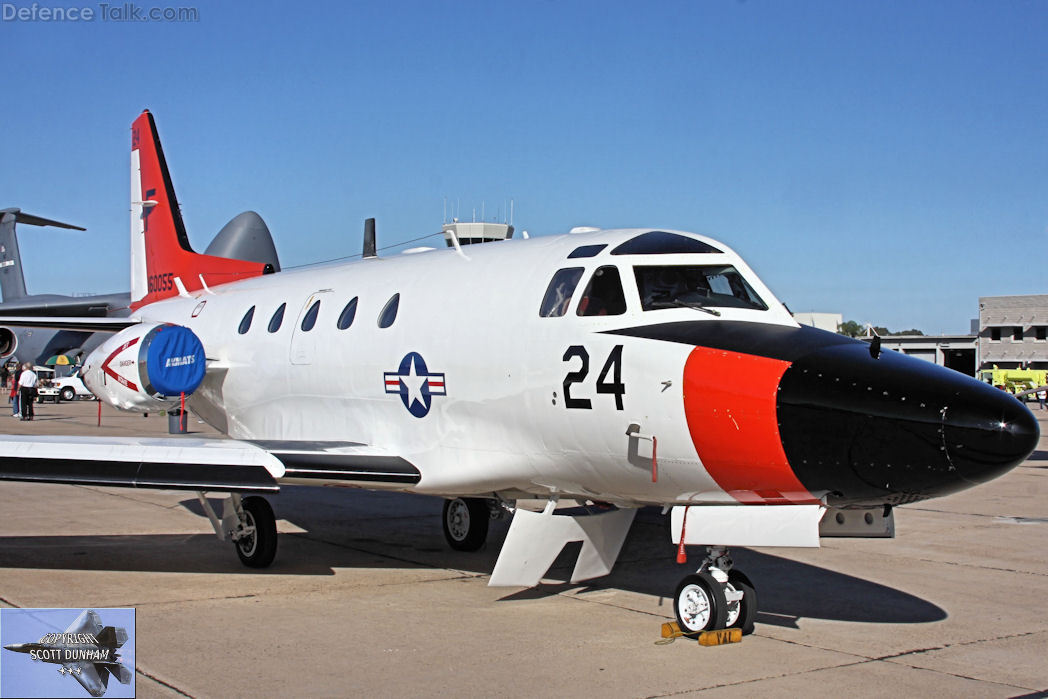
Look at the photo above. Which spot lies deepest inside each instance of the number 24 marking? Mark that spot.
(612, 366)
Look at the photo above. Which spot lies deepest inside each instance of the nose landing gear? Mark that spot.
(715, 597)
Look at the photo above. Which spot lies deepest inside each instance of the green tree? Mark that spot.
(851, 328)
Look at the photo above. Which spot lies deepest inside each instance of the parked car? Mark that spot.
(72, 387)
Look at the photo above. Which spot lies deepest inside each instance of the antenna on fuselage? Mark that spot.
(370, 249)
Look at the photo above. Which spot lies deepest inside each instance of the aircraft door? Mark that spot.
(304, 334)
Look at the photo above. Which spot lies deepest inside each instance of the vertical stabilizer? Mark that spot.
(160, 249)
(12, 281)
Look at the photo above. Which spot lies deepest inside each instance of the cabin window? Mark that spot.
(245, 323)
(995, 334)
(662, 243)
(558, 293)
(277, 319)
(345, 319)
(695, 286)
(603, 295)
(389, 311)
(586, 251)
(310, 319)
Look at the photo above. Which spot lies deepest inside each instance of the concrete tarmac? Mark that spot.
(365, 598)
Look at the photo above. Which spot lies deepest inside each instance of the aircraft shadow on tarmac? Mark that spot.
(1038, 456)
(353, 529)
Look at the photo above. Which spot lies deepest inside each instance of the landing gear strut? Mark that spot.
(715, 597)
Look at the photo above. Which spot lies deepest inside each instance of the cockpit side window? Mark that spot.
(586, 251)
(558, 293)
(662, 243)
(697, 286)
(603, 295)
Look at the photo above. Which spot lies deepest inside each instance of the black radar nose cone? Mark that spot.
(895, 429)
(988, 434)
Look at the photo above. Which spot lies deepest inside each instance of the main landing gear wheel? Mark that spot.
(742, 614)
(699, 604)
(466, 523)
(257, 544)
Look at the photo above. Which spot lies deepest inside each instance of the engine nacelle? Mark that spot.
(146, 367)
(8, 342)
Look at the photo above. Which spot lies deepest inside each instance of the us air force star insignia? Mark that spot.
(415, 384)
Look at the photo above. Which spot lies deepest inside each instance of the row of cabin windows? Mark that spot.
(1040, 333)
(309, 319)
(660, 286)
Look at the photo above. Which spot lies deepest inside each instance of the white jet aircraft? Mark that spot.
(613, 368)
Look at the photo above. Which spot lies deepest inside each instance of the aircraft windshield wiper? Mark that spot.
(685, 304)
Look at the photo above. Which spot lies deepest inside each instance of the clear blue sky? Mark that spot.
(21, 676)
(886, 160)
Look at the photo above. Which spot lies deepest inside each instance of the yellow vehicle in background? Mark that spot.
(1015, 380)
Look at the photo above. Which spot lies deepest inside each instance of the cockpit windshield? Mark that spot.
(696, 286)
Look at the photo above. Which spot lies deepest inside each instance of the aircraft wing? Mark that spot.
(219, 465)
(222, 465)
(93, 325)
(94, 679)
(56, 305)
(87, 622)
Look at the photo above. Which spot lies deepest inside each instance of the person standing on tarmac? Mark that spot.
(27, 391)
(16, 410)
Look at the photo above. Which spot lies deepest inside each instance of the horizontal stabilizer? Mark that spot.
(31, 220)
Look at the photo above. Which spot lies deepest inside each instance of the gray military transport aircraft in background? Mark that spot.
(245, 237)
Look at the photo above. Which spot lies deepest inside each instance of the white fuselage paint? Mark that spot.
(502, 425)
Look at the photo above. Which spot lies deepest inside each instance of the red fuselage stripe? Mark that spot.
(107, 369)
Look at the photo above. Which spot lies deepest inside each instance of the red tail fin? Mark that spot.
(160, 250)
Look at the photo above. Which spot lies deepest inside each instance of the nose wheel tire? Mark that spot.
(466, 523)
(699, 604)
(743, 614)
(257, 545)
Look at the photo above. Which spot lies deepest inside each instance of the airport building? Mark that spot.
(1013, 332)
(1010, 333)
(958, 352)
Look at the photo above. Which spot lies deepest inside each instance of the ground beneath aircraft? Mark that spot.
(365, 598)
